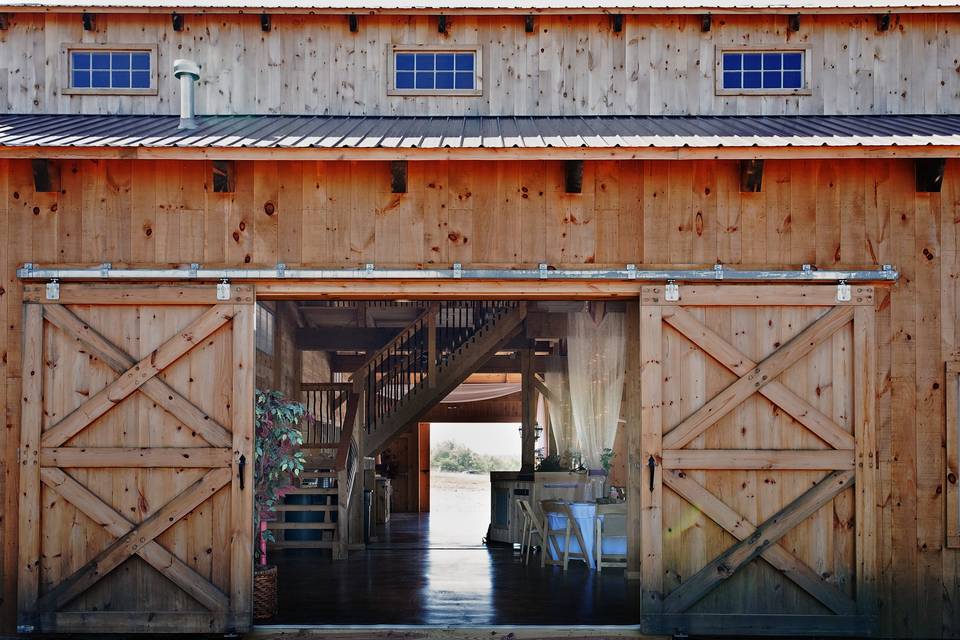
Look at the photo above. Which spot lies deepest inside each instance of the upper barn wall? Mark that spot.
(568, 65)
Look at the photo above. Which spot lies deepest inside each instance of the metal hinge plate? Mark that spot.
(223, 290)
(53, 290)
(843, 292)
(671, 292)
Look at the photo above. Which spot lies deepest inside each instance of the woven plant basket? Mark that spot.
(264, 592)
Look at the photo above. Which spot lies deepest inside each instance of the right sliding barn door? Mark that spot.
(760, 460)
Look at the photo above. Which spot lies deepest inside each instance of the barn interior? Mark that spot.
(357, 540)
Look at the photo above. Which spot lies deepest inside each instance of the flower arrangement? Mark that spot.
(279, 460)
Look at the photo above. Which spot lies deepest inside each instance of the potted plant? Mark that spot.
(278, 463)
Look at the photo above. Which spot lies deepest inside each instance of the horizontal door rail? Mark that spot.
(884, 273)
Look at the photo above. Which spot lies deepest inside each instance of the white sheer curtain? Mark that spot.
(555, 380)
(596, 358)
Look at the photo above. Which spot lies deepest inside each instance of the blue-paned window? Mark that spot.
(105, 69)
(762, 70)
(427, 71)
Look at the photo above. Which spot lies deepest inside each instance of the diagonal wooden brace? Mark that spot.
(757, 378)
(724, 566)
(134, 540)
(776, 392)
(156, 389)
(159, 558)
(138, 375)
(741, 528)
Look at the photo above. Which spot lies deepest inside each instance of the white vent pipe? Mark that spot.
(188, 72)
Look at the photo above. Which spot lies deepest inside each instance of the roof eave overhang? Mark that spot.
(482, 153)
(691, 10)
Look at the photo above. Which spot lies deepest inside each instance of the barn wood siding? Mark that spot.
(832, 213)
(569, 65)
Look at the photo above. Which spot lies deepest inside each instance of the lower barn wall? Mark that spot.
(828, 213)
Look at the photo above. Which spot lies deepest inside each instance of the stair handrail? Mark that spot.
(359, 376)
(348, 432)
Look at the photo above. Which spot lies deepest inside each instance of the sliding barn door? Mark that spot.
(759, 490)
(135, 460)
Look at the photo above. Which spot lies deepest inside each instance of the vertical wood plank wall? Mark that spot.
(830, 213)
(658, 64)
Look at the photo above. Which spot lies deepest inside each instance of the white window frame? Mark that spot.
(66, 62)
(772, 48)
(269, 338)
(394, 49)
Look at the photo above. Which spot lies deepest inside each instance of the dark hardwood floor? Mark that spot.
(418, 576)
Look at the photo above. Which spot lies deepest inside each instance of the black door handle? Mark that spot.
(652, 465)
(243, 467)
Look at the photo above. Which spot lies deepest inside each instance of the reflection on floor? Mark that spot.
(408, 578)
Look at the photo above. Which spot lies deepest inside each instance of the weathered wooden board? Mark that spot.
(731, 462)
(830, 213)
(568, 65)
(140, 513)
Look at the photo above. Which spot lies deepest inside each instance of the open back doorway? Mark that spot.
(461, 459)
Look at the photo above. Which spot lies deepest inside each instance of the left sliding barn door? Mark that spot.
(136, 455)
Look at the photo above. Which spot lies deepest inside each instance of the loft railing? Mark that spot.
(327, 403)
(411, 360)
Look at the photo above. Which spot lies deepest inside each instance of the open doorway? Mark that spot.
(462, 456)
(424, 437)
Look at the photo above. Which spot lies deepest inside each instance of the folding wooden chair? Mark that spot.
(570, 532)
(610, 536)
(531, 527)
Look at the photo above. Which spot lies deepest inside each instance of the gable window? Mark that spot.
(117, 69)
(435, 71)
(762, 71)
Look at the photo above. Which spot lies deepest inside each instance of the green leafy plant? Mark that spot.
(606, 459)
(279, 459)
(553, 462)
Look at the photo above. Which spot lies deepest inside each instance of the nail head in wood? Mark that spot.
(751, 176)
(930, 174)
(573, 170)
(617, 22)
(794, 22)
(265, 22)
(354, 22)
(89, 23)
(46, 175)
(398, 176)
(706, 22)
(442, 24)
(528, 24)
(177, 20)
(883, 22)
(224, 176)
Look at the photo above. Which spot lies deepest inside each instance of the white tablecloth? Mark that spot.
(585, 513)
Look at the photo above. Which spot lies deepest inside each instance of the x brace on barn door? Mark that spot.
(92, 474)
(681, 450)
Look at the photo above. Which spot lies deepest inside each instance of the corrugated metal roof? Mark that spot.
(490, 132)
(489, 6)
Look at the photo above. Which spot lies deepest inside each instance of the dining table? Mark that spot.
(586, 515)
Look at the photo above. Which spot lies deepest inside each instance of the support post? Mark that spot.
(432, 347)
(529, 411)
(635, 458)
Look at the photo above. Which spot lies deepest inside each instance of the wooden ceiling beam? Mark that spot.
(343, 338)
(496, 364)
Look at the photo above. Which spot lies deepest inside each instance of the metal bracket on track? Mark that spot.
(671, 292)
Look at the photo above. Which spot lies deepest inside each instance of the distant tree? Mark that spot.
(450, 455)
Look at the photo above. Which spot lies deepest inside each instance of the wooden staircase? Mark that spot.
(331, 445)
(428, 359)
